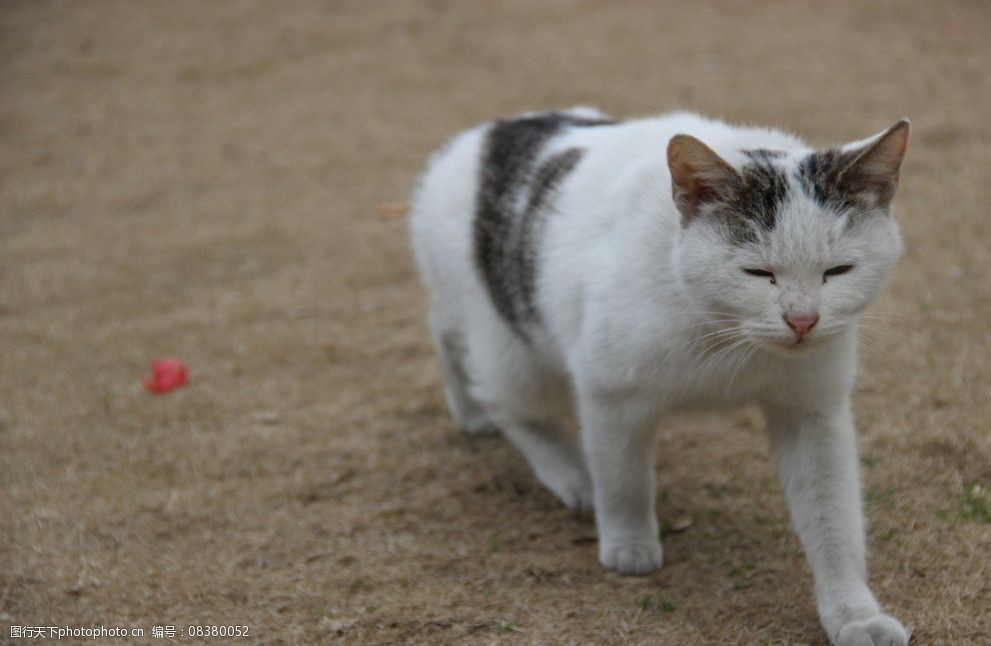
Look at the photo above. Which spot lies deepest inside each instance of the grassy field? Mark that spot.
(201, 180)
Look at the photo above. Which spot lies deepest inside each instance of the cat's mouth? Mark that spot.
(790, 346)
(793, 344)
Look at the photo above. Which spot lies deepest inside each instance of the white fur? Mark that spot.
(644, 317)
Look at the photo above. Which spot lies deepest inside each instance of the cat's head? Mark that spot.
(786, 247)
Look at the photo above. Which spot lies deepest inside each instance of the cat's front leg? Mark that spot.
(815, 453)
(618, 440)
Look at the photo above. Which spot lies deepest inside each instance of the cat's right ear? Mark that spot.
(698, 175)
(873, 171)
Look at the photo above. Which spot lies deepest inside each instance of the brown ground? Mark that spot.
(199, 179)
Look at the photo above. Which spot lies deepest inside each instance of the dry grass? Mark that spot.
(200, 179)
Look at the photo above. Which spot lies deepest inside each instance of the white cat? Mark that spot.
(629, 270)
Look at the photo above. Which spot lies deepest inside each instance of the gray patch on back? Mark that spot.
(514, 195)
(545, 183)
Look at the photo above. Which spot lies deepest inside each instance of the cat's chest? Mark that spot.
(720, 377)
(683, 376)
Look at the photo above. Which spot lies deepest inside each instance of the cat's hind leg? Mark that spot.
(555, 457)
(451, 346)
(528, 403)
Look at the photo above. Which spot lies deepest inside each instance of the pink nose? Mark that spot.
(801, 324)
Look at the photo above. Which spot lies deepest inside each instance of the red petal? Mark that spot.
(166, 374)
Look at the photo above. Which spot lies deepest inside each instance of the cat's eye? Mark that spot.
(761, 273)
(836, 271)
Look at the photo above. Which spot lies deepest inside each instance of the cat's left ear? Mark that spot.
(873, 172)
(698, 175)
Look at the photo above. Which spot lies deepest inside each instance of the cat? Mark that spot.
(625, 270)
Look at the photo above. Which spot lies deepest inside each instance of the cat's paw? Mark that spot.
(572, 486)
(879, 630)
(479, 426)
(631, 557)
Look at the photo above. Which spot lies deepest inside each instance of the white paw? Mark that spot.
(879, 630)
(479, 426)
(572, 486)
(631, 557)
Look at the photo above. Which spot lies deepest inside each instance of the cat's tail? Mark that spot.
(580, 112)
(587, 112)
